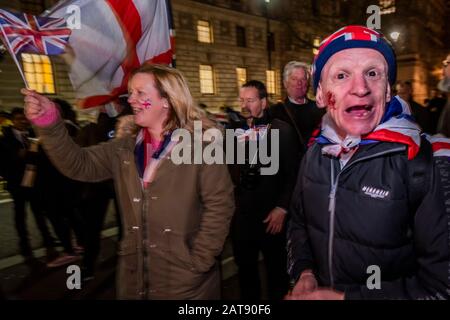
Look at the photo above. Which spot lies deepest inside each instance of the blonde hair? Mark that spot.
(172, 85)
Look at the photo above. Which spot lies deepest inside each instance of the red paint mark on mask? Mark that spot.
(331, 100)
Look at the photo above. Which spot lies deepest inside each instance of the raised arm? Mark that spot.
(90, 164)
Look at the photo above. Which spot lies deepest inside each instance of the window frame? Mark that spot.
(271, 83)
(238, 80)
(201, 79)
(29, 62)
(208, 31)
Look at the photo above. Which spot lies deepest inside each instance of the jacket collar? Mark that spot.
(397, 126)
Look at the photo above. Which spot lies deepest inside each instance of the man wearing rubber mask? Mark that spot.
(368, 215)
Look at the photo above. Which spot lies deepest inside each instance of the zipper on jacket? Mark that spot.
(332, 203)
(331, 209)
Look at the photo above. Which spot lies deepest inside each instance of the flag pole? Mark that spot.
(14, 58)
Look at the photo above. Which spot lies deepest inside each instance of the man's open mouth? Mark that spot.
(359, 111)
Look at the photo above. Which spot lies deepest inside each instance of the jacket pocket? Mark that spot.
(179, 250)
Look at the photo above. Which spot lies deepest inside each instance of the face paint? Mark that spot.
(147, 104)
(331, 100)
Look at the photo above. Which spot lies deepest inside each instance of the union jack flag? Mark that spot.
(23, 32)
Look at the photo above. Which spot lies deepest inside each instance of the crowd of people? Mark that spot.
(362, 182)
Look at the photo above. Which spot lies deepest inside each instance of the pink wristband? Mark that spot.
(50, 117)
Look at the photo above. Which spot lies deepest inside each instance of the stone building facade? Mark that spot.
(260, 35)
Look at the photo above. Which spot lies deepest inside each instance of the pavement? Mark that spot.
(33, 280)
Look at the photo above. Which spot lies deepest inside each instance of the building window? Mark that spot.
(236, 5)
(387, 6)
(204, 31)
(271, 81)
(241, 75)
(38, 72)
(206, 79)
(316, 45)
(241, 40)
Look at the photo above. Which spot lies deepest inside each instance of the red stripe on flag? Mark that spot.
(440, 146)
(130, 22)
(35, 33)
(94, 101)
(163, 58)
(391, 136)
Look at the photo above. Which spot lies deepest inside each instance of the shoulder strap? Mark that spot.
(419, 174)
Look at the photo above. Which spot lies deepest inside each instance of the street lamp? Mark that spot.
(394, 35)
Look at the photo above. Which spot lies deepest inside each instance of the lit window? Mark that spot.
(206, 79)
(271, 82)
(387, 6)
(316, 45)
(38, 72)
(204, 31)
(241, 74)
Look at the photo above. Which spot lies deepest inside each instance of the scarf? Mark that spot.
(397, 125)
(149, 154)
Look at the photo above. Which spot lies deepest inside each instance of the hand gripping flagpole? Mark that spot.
(6, 42)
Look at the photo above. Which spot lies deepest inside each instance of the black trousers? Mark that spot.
(21, 196)
(248, 240)
(93, 209)
(64, 217)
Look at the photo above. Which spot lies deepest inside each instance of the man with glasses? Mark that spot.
(262, 200)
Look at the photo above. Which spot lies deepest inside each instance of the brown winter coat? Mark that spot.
(174, 229)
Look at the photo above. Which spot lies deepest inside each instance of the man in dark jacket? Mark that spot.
(262, 199)
(370, 210)
(297, 110)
